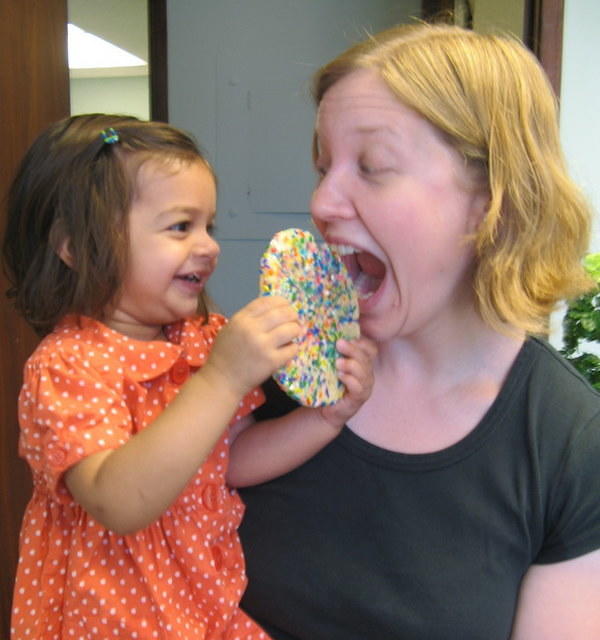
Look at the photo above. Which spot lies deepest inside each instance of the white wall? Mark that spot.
(126, 96)
(580, 99)
(580, 112)
(491, 15)
(124, 24)
(239, 73)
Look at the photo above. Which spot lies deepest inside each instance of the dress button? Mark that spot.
(217, 555)
(210, 497)
(57, 455)
(180, 371)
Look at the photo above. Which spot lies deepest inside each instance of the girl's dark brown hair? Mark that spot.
(73, 186)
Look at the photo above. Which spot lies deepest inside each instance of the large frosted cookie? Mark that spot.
(315, 281)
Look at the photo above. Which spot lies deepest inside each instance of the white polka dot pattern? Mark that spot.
(88, 388)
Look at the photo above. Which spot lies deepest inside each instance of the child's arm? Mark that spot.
(126, 489)
(271, 448)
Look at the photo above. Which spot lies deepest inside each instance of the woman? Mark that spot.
(461, 501)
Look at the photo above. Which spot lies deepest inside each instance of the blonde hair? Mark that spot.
(491, 99)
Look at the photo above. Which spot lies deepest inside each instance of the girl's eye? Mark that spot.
(211, 228)
(182, 226)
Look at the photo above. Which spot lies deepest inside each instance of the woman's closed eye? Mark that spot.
(367, 169)
(372, 168)
(321, 170)
(377, 161)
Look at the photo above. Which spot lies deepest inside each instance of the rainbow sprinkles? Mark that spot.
(315, 281)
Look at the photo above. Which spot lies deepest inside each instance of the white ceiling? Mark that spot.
(121, 22)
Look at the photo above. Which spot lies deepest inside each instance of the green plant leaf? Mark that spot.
(581, 326)
(591, 262)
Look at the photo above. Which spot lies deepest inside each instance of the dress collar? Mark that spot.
(190, 339)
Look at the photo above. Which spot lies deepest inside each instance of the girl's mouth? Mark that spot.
(190, 277)
(193, 282)
(366, 270)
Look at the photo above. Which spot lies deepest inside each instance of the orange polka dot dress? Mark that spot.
(88, 388)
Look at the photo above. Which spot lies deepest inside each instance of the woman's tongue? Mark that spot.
(370, 274)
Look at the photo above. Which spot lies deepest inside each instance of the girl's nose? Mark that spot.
(206, 245)
(215, 248)
(330, 200)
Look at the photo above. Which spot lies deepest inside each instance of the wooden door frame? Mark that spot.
(28, 106)
(34, 84)
(542, 30)
(544, 35)
(157, 53)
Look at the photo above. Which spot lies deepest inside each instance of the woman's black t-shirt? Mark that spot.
(361, 542)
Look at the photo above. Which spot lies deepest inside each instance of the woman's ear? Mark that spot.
(61, 243)
(480, 205)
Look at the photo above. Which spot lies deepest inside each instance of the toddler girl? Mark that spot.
(124, 412)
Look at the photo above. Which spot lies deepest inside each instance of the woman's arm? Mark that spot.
(560, 601)
(270, 448)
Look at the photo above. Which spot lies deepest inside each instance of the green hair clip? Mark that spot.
(109, 136)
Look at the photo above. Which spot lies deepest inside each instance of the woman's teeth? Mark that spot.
(343, 249)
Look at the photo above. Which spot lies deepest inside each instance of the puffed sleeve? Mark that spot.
(67, 411)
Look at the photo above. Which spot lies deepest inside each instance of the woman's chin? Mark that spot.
(375, 328)
(379, 313)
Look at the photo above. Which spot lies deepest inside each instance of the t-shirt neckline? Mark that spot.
(489, 423)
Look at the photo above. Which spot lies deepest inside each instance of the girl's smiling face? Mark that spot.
(396, 192)
(171, 251)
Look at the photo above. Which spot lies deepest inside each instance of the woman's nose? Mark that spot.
(330, 199)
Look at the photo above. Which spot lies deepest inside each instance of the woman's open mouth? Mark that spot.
(367, 271)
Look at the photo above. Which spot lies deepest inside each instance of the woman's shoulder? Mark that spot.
(561, 405)
(556, 375)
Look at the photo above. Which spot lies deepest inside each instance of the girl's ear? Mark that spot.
(61, 243)
(64, 252)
